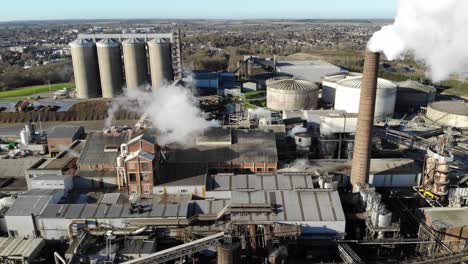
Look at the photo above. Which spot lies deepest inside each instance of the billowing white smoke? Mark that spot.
(172, 110)
(259, 113)
(296, 129)
(435, 31)
(298, 165)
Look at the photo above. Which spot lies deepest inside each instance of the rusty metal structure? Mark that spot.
(362, 146)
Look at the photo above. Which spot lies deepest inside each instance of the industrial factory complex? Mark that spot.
(322, 165)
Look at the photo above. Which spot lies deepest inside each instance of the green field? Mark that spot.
(35, 90)
(456, 88)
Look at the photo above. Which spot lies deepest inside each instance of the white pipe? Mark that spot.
(58, 258)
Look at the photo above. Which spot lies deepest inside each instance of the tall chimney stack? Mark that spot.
(362, 143)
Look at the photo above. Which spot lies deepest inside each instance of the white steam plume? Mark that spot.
(435, 31)
(172, 110)
(259, 113)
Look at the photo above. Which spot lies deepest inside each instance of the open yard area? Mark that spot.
(31, 90)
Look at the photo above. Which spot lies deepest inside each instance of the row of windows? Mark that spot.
(143, 177)
(144, 166)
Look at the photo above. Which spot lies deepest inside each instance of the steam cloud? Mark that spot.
(172, 110)
(435, 31)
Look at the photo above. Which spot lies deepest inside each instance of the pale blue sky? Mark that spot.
(210, 9)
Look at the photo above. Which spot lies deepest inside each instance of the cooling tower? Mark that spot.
(110, 67)
(160, 54)
(362, 143)
(85, 68)
(136, 69)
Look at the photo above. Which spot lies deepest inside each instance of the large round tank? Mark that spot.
(303, 140)
(449, 113)
(412, 95)
(292, 94)
(110, 67)
(329, 84)
(228, 254)
(85, 68)
(160, 55)
(136, 65)
(348, 92)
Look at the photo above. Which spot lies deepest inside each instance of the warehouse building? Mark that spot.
(61, 137)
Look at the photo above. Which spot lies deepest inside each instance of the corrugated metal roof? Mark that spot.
(16, 168)
(249, 182)
(64, 131)
(243, 149)
(82, 43)
(356, 82)
(27, 205)
(131, 41)
(293, 206)
(93, 151)
(417, 86)
(292, 85)
(108, 43)
(26, 248)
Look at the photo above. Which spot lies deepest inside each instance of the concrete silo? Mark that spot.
(110, 67)
(85, 68)
(160, 55)
(135, 63)
(292, 94)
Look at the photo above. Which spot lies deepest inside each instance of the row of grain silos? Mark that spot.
(98, 66)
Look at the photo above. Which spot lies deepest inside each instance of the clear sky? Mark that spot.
(209, 9)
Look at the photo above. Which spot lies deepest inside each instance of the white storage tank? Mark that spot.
(449, 113)
(348, 92)
(329, 84)
(303, 140)
(292, 94)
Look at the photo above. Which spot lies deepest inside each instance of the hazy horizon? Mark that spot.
(50, 10)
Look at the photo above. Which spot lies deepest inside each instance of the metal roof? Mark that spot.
(145, 137)
(416, 86)
(27, 205)
(292, 85)
(64, 131)
(16, 168)
(60, 161)
(444, 217)
(244, 148)
(110, 198)
(182, 174)
(356, 82)
(132, 41)
(256, 182)
(294, 206)
(25, 248)
(93, 151)
(82, 43)
(140, 153)
(216, 136)
(108, 43)
(451, 107)
(99, 211)
(311, 70)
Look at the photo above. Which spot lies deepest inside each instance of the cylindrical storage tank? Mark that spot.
(25, 137)
(449, 113)
(228, 254)
(385, 219)
(303, 140)
(85, 68)
(292, 94)
(348, 93)
(160, 56)
(110, 67)
(329, 84)
(135, 63)
(412, 95)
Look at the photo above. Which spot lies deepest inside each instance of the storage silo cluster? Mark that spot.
(99, 68)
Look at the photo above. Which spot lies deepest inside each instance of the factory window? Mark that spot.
(13, 233)
(146, 192)
(132, 177)
(144, 166)
(144, 177)
(271, 169)
(183, 191)
(259, 169)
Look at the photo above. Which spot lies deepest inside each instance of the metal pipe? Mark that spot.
(362, 146)
(59, 259)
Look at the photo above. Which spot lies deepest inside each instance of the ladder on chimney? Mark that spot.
(177, 55)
